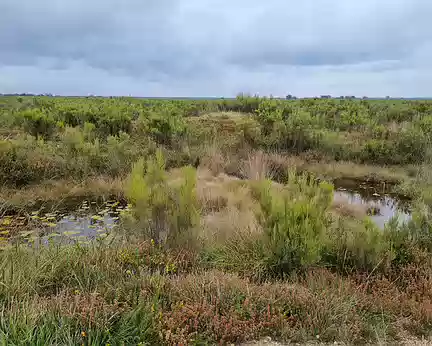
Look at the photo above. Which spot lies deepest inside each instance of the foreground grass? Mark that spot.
(141, 294)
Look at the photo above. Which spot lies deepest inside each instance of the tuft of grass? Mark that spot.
(60, 192)
(257, 167)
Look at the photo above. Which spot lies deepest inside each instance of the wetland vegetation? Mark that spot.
(134, 221)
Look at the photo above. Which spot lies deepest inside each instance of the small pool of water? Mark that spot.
(379, 207)
(88, 221)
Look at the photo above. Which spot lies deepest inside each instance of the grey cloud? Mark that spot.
(127, 36)
(334, 32)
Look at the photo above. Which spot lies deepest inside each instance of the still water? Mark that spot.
(384, 205)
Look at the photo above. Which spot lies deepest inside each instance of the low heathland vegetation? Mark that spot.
(229, 229)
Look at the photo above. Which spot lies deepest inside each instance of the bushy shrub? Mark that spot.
(84, 156)
(400, 113)
(294, 219)
(356, 246)
(378, 151)
(164, 212)
(294, 225)
(411, 238)
(243, 103)
(268, 114)
(113, 121)
(411, 145)
(350, 120)
(26, 160)
(165, 127)
(121, 151)
(38, 123)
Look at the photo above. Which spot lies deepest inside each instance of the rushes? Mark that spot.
(257, 167)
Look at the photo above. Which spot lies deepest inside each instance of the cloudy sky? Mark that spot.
(216, 47)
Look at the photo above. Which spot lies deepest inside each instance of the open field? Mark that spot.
(151, 222)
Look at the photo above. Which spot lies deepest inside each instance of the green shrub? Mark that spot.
(164, 212)
(400, 113)
(414, 234)
(268, 114)
(113, 121)
(185, 213)
(120, 153)
(243, 103)
(294, 220)
(38, 123)
(352, 120)
(411, 145)
(356, 246)
(378, 151)
(294, 227)
(26, 160)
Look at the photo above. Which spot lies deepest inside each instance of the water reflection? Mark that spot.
(86, 222)
(385, 206)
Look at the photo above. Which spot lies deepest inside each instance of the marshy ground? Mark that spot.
(132, 222)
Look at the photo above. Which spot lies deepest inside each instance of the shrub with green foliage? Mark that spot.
(364, 131)
(352, 246)
(26, 160)
(294, 219)
(294, 222)
(38, 123)
(164, 212)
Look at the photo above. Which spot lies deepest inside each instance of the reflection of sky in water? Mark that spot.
(86, 223)
(388, 206)
(84, 226)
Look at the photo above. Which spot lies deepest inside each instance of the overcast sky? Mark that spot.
(217, 47)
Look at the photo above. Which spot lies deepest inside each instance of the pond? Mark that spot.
(379, 204)
(88, 221)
